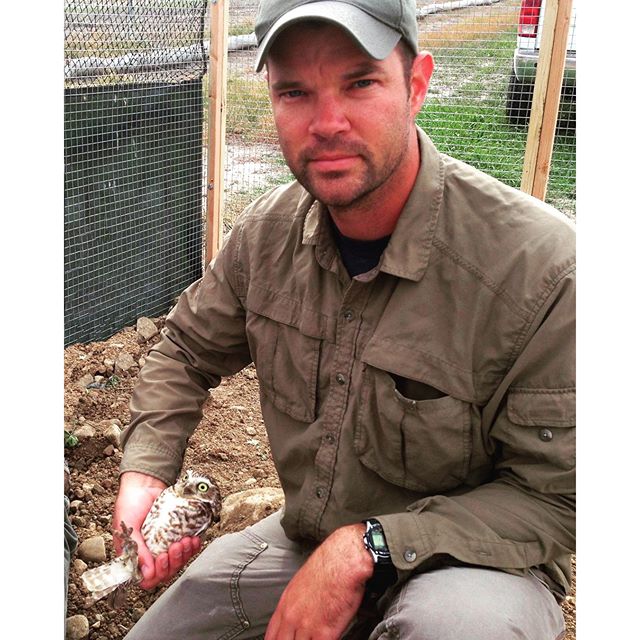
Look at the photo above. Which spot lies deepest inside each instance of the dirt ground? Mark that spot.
(230, 446)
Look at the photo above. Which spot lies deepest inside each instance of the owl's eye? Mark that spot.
(203, 487)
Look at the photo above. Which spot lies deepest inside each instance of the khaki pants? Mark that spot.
(233, 587)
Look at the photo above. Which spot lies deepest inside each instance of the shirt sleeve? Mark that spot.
(203, 340)
(525, 516)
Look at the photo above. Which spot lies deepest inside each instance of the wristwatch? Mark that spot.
(384, 573)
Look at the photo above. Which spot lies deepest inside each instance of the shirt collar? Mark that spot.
(408, 251)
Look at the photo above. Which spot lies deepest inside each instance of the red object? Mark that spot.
(529, 18)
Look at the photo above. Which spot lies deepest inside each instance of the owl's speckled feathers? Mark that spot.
(111, 579)
(186, 508)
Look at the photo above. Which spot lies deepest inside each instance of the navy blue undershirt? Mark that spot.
(358, 256)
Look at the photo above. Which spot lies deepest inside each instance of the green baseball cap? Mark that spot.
(377, 25)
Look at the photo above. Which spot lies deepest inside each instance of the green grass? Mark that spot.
(465, 116)
(481, 136)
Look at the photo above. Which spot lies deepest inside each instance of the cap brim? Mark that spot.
(376, 38)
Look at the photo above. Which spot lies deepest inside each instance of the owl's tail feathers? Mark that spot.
(114, 576)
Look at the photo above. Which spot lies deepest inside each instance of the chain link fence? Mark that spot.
(136, 135)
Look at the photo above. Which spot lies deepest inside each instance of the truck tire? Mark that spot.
(519, 98)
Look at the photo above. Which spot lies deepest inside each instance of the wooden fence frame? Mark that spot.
(546, 98)
(219, 12)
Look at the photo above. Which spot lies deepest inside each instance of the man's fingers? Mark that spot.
(189, 548)
(176, 557)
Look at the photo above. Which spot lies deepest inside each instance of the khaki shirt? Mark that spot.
(435, 392)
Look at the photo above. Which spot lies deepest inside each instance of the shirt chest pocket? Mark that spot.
(420, 444)
(284, 340)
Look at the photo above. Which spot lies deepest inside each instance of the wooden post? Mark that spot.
(546, 98)
(217, 117)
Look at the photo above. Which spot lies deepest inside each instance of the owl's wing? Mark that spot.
(113, 577)
(102, 580)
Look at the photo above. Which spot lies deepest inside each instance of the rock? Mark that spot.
(124, 362)
(250, 481)
(251, 431)
(137, 613)
(108, 450)
(85, 380)
(112, 433)
(79, 566)
(84, 431)
(146, 328)
(74, 506)
(244, 508)
(92, 550)
(77, 627)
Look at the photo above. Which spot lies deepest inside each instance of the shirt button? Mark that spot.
(320, 492)
(545, 435)
(348, 315)
(340, 379)
(410, 555)
(329, 438)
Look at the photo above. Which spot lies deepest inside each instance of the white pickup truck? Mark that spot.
(525, 61)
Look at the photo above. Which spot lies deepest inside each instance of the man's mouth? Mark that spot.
(332, 162)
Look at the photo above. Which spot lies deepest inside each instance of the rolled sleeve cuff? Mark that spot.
(413, 540)
(159, 462)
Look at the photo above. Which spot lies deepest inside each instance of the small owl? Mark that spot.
(187, 508)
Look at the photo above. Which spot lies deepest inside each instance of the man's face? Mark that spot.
(344, 120)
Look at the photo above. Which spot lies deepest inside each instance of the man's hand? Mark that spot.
(135, 497)
(325, 594)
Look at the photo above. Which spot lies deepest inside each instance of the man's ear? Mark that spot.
(420, 77)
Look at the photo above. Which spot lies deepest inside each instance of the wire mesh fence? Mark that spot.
(133, 152)
(469, 112)
(136, 134)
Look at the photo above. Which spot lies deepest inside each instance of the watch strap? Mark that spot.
(384, 572)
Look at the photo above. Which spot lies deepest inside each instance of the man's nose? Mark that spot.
(329, 117)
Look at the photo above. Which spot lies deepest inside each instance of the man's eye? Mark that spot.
(294, 93)
(361, 84)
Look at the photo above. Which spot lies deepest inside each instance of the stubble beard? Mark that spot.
(352, 191)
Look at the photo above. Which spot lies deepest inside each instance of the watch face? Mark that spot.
(378, 540)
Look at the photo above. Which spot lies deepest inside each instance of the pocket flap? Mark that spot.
(285, 310)
(542, 407)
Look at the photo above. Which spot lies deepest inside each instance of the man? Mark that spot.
(411, 323)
